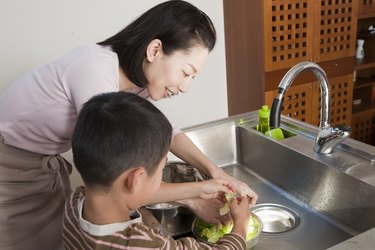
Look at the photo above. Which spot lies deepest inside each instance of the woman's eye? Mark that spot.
(188, 76)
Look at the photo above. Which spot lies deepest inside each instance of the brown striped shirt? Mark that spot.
(137, 236)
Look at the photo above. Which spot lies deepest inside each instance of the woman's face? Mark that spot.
(170, 75)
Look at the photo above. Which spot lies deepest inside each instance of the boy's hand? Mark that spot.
(240, 209)
(240, 212)
(213, 188)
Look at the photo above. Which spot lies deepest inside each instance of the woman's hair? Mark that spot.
(115, 132)
(178, 24)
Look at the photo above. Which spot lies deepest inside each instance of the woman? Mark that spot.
(155, 57)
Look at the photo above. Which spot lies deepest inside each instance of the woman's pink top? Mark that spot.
(39, 110)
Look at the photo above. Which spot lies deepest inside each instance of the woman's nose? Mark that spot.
(184, 87)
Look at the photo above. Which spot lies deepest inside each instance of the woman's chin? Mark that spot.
(157, 97)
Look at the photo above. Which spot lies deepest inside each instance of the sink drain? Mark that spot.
(276, 218)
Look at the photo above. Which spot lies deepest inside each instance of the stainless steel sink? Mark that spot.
(333, 203)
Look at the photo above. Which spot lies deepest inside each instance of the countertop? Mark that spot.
(363, 241)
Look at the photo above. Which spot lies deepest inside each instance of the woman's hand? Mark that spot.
(211, 189)
(207, 210)
(238, 186)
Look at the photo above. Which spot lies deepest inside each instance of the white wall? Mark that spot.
(37, 31)
(34, 32)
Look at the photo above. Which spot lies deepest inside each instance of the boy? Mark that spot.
(120, 144)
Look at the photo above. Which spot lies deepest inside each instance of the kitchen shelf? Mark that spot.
(366, 15)
(358, 108)
(363, 82)
(366, 35)
(365, 63)
(363, 114)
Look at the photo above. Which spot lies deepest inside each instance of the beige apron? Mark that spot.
(33, 189)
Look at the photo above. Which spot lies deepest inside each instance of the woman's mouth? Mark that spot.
(170, 93)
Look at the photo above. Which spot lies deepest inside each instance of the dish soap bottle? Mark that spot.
(264, 119)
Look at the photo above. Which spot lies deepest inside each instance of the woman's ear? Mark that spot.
(154, 49)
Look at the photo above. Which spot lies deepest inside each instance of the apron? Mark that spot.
(33, 189)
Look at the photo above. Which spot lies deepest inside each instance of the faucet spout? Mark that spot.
(327, 137)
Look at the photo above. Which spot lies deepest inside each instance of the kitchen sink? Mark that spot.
(332, 201)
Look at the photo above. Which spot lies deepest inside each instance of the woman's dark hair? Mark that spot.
(178, 24)
(115, 132)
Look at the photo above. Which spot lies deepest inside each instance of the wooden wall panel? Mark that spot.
(244, 55)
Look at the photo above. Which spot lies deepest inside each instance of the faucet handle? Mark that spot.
(328, 138)
(346, 129)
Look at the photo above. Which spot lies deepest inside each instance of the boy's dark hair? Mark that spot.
(178, 24)
(115, 132)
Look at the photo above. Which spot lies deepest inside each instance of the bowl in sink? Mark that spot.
(211, 234)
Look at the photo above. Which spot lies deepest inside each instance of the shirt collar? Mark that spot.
(107, 229)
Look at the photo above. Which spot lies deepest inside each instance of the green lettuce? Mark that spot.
(213, 233)
(224, 210)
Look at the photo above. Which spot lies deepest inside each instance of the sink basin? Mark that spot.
(333, 204)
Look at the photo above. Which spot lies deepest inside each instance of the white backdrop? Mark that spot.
(38, 31)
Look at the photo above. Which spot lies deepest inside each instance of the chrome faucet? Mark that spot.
(328, 137)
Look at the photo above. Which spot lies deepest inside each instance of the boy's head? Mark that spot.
(116, 132)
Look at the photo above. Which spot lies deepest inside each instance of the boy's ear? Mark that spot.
(135, 179)
(154, 49)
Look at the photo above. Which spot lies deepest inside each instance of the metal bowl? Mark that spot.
(249, 244)
(174, 218)
(276, 218)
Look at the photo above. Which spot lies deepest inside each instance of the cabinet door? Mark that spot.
(363, 125)
(288, 36)
(302, 30)
(334, 29)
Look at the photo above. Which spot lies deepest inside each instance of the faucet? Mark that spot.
(328, 137)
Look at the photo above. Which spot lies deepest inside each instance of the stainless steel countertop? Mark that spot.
(323, 184)
(363, 241)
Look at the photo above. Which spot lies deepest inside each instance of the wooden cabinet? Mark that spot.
(265, 38)
(363, 123)
(301, 30)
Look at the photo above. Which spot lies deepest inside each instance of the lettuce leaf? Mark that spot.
(224, 210)
(213, 233)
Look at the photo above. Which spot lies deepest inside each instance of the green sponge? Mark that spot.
(275, 133)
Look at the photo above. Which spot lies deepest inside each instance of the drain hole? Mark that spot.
(276, 218)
